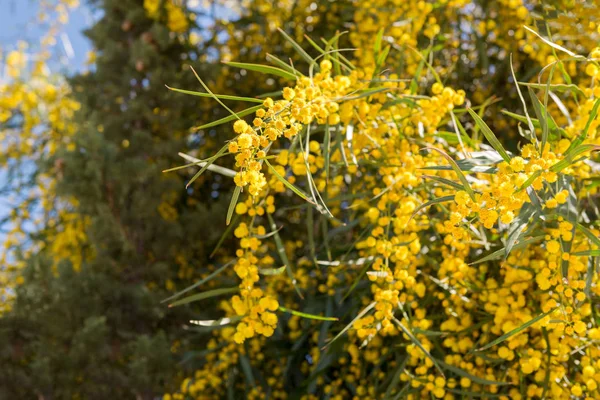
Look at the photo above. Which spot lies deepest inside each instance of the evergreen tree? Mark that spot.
(101, 332)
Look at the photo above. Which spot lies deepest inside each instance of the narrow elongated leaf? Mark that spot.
(229, 118)
(587, 253)
(515, 331)
(225, 234)
(283, 65)
(456, 168)
(592, 270)
(272, 271)
(589, 234)
(367, 93)
(570, 157)
(439, 200)
(423, 58)
(247, 368)
(219, 96)
(306, 315)
(444, 181)
(489, 135)
(233, 203)
(297, 47)
(315, 45)
(265, 69)
(555, 87)
(207, 165)
(554, 45)
(377, 45)
(583, 135)
(534, 122)
(287, 183)
(502, 252)
(418, 344)
(326, 150)
(542, 116)
(530, 180)
(516, 227)
(212, 94)
(282, 254)
(200, 282)
(359, 316)
(362, 273)
(472, 378)
(204, 295)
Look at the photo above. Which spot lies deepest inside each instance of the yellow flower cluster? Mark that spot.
(452, 285)
(177, 21)
(311, 99)
(36, 119)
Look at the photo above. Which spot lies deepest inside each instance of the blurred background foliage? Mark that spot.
(96, 235)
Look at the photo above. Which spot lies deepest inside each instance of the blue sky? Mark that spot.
(18, 22)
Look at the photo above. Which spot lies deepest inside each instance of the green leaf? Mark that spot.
(583, 135)
(438, 200)
(283, 65)
(315, 45)
(359, 316)
(516, 227)
(287, 183)
(297, 47)
(200, 282)
(418, 344)
(542, 116)
(207, 165)
(326, 150)
(283, 255)
(377, 45)
(459, 130)
(367, 93)
(219, 96)
(213, 95)
(229, 118)
(205, 295)
(502, 252)
(534, 122)
(272, 271)
(306, 315)
(423, 58)
(362, 273)
(247, 368)
(233, 203)
(594, 253)
(225, 234)
(457, 170)
(265, 69)
(472, 378)
(444, 181)
(555, 87)
(530, 180)
(515, 331)
(489, 135)
(590, 235)
(570, 157)
(554, 45)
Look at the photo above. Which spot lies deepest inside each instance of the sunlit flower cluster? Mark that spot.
(472, 259)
